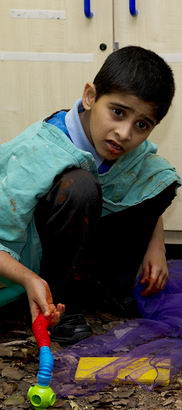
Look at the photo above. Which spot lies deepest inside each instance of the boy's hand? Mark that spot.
(38, 292)
(154, 271)
(40, 300)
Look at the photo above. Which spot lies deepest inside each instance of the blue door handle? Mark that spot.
(87, 10)
(132, 7)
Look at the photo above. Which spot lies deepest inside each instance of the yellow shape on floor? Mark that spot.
(124, 369)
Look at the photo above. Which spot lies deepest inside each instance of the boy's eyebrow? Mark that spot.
(152, 122)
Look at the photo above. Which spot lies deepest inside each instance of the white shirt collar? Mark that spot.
(77, 133)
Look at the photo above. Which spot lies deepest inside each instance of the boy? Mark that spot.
(83, 192)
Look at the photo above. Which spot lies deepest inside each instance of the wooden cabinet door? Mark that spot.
(158, 26)
(48, 50)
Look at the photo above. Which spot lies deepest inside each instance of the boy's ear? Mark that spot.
(89, 94)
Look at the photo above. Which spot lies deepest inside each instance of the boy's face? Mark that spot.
(116, 123)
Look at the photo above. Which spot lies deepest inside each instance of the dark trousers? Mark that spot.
(82, 249)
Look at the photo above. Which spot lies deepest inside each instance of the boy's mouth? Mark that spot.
(114, 148)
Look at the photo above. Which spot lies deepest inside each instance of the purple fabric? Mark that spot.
(157, 335)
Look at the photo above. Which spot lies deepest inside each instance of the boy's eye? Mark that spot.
(118, 111)
(142, 125)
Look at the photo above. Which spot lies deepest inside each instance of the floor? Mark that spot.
(174, 251)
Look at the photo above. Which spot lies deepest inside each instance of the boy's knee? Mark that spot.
(78, 186)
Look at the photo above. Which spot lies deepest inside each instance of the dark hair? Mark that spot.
(143, 73)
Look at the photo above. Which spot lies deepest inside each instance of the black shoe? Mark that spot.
(71, 329)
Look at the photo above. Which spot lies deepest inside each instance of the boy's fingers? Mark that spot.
(162, 282)
(159, 282)
(60, 307)
(44, 309)
(155, 286)
(144, 280)
(48, 310)
(59, 311)
(145, 276)
(151, 288)
(146, 291)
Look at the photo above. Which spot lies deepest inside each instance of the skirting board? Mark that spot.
(173, 237)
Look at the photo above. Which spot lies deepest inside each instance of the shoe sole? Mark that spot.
(71, 340)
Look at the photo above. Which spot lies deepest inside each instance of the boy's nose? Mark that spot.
(124, 131)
